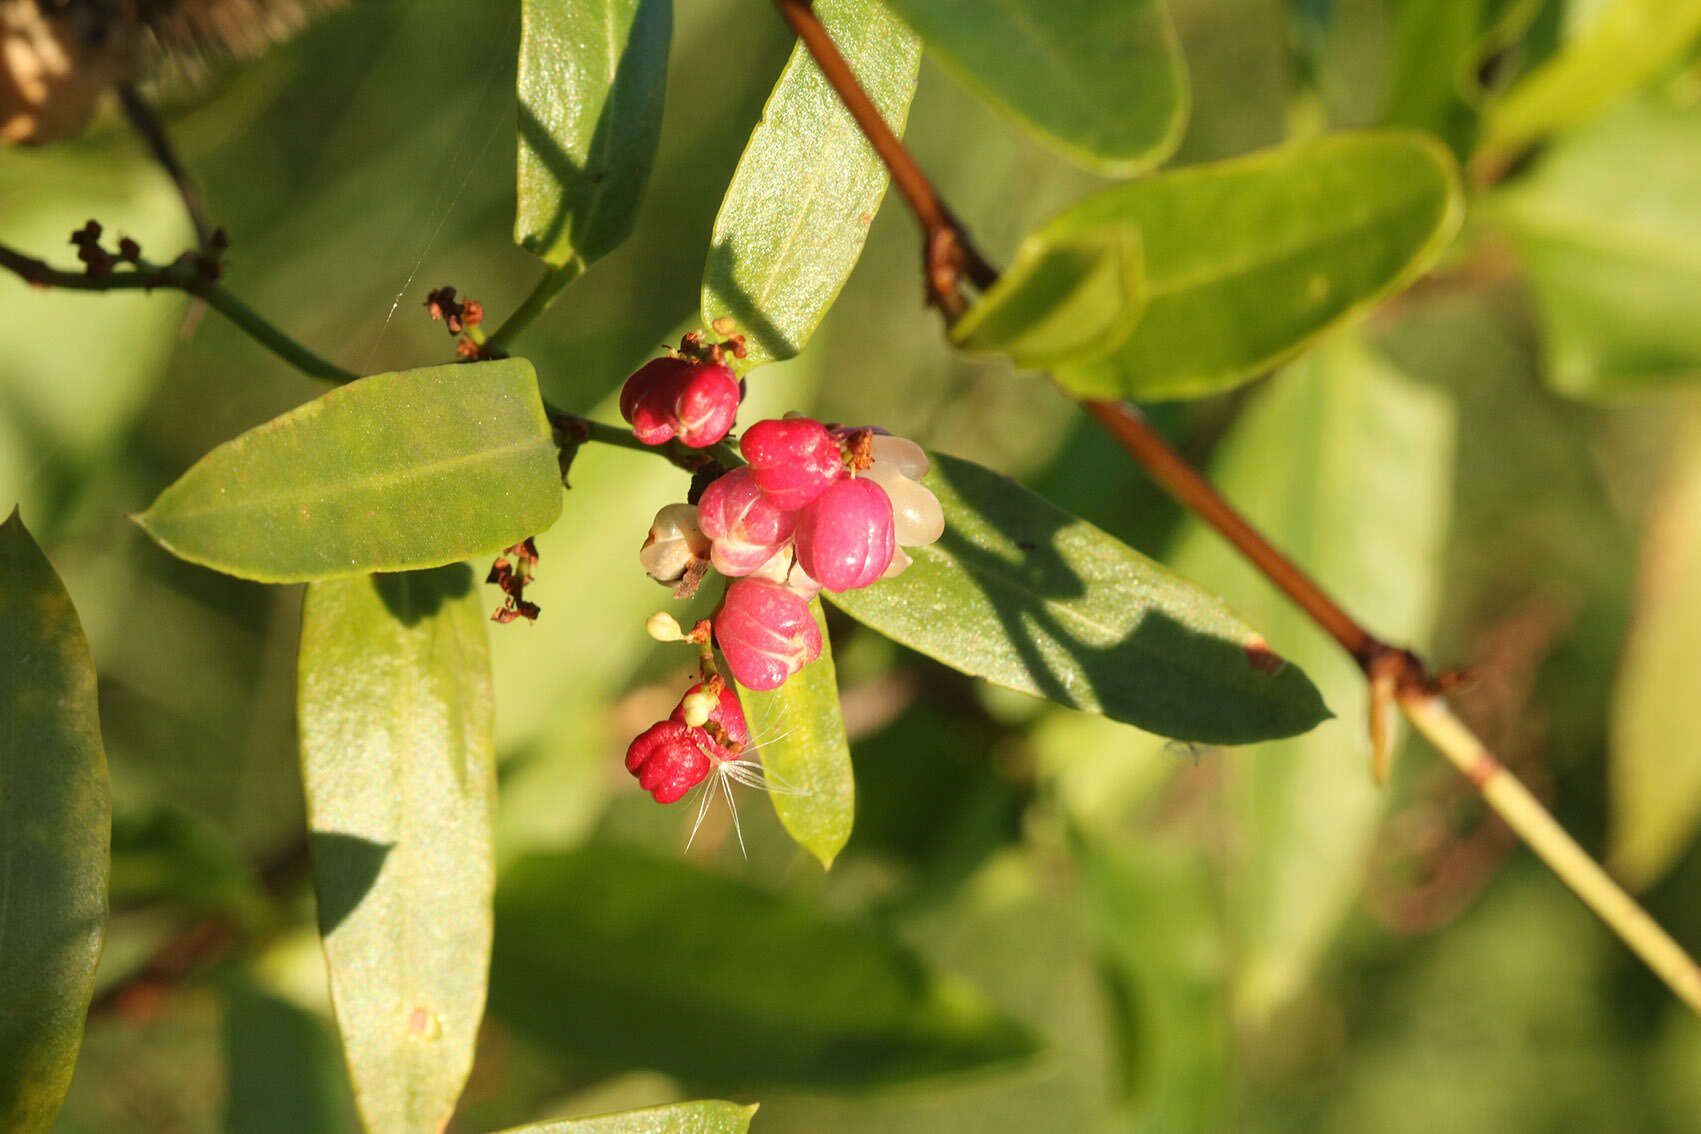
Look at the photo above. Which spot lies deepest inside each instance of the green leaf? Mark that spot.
(632, 961)
(399, 769)
(1608, 225)
(1655, 764)
(1251, 260)
(593, 74)
(391, 473)
(1345, 464)
(1154, 907)
(1034, 599)
(710, 1116)
(283, 1072)
(808, 761)
(1627, 43)
(1103, 84)
(1440, 49)
(55, 826)
(1069, 300)
(806, 190)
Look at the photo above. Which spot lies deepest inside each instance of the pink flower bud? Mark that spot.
(766, 633)
(705, 404)
(648, 396)
(696, 401)
(746, 527)
(844, 539)
(727, 713)
(669, 759)
(793, 459)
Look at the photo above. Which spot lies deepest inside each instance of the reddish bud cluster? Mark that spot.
(512, 577)
(673, 756)
(460, 317)
(766, 633)
(814, 507)
(677, 397)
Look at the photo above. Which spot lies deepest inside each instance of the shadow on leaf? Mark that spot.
(345, 867)
(410, 596)
(1030, 597)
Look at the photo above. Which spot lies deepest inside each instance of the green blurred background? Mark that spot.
(1206, 939)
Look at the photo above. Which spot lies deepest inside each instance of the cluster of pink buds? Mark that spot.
(692, 394)
(813, 508)
(706, 729)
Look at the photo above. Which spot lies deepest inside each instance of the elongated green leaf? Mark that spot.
(1609, 227)
(398, 765)
(797, 212)
(1034, 599)
(808, 761)
(391, 473)
(1249, 261)
(1104, 84)
(592, 78)
(55, 827)
(1346, 464)
(1440, 48)
(633, 961)
(1656, 720)
(1067, 301)
(1154, 906)
(283, 1072)
(711, 1116)
(1627, 43)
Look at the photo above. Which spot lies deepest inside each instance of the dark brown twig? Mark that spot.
(947, 251)
(152, 130)
(1389, 669)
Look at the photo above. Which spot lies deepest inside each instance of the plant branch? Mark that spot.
(188, 273)
(573, 430)
(947, 250)
(152, 130)
(1533, 823)
(1385, 666)
(1190, 489)
(551, 285)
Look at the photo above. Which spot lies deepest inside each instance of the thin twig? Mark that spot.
(1417, 690)
(152, 130)
(1190, 488)
(947, 251)
(574, 429)
(187, 274)
(550, 286)
(1533, 823)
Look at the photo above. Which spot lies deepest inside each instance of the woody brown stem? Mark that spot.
(948, 253)
(1391, 670)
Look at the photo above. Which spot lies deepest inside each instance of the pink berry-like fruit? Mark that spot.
(705, 404)
(648, 396)
(668, 397)
(766, 633)
(793, 460)
(726, 712)
(844, 539)
(745, 525)
(669, 758)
